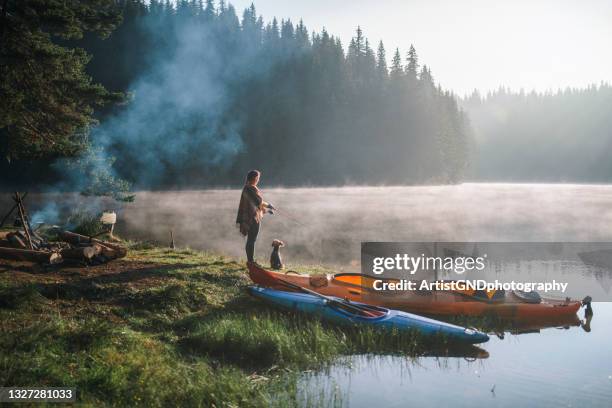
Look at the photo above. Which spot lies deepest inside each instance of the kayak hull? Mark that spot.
(389, 320)
(442, 303)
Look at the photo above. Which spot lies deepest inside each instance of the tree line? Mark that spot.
(561, 136)
(208, 95)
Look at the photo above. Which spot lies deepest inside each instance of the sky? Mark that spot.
(474, 44)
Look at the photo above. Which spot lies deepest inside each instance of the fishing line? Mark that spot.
(287, 214)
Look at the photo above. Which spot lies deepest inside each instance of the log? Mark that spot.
(36, 242)
(3, 234)
(81, 253)
(110, 253)
(121, 251)
(30, 255)
(108, 249)
(16, 241)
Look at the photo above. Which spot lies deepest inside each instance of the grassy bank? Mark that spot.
(162, 328)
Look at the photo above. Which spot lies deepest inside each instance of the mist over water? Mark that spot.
(327, 225)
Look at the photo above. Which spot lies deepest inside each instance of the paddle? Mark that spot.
(345, 304)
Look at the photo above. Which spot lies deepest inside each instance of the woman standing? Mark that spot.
(251, 209)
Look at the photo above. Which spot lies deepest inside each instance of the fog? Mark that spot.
(556, 137)
(327, 225)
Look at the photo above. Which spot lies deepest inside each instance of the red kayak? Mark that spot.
(360, 288)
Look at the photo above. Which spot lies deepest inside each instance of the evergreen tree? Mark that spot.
(353, 51)
(229, 20)
(301, 35)
(359, 42)
(425, 76)
(287, 31)
(209, 11)
(381, 61)
(303, 108)
(156, 8)
(48, 99)
(249, 19)
(369, 61)
(168, 8)
(412, 63)
(272, 34)
(396, 65)
(183, 9)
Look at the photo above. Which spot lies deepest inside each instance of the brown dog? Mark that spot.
(275, 259)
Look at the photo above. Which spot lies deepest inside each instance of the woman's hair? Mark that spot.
(252, 175)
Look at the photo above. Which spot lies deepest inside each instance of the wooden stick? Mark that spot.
(26, 220)
(23, 220)
(8, 214)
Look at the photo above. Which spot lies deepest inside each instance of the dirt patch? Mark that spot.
(73, 290)
(128, 271)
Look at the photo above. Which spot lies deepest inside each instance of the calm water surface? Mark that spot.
(554, 367)
(327, 225)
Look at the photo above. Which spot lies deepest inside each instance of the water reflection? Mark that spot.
(458, 351)
(540, 364)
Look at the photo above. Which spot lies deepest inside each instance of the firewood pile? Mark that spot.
(25, 244)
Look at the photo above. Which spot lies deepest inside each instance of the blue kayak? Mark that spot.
(339, 311)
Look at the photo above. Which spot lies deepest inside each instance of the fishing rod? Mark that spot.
(287, 214)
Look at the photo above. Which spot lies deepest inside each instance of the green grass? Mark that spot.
(166, 328)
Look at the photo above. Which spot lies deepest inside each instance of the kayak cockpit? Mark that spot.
(360, 280)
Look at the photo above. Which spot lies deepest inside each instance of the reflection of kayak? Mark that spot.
(360, 288)
(463, 351)
(379, 317)
(534, 325)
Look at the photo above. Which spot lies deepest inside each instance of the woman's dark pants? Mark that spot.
(251, 238)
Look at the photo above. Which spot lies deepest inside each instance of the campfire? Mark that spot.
(26, 244)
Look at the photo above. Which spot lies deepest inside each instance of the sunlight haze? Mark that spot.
(469, 44)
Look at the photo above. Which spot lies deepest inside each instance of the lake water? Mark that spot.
(546, 367)
(327, 225)
(554, 367)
